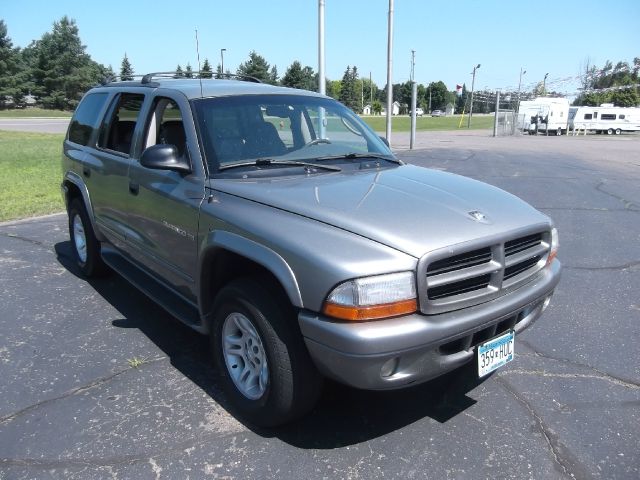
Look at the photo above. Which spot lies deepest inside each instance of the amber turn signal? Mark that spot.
(371, 312)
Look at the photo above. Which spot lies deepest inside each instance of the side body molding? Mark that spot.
(76, 179)
(260, 254)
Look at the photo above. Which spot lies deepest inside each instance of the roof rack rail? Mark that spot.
(210, 75)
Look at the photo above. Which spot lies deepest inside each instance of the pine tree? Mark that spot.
(179, 72)
(257, 67)
(9, 58)
(126, 70)
(60, 67)
(188, 71)
(206, 69)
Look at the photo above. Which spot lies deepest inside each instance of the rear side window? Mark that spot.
(86, 118)
(608, 116)
(116, 133)
(588, 116)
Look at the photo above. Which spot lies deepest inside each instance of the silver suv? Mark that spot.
(275, 221)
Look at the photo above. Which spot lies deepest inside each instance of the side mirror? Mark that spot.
(164, 157)
(385, 141)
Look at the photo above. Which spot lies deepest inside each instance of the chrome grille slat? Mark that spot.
(458, 279)
(523, 255)
(462, 274)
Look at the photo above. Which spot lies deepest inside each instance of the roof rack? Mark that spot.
(196, 75)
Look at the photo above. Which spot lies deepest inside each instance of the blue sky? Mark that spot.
(449, 37)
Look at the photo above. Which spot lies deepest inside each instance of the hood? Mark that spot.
(412, 209)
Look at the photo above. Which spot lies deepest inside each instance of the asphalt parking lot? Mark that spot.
(98, 382)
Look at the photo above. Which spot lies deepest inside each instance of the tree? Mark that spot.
(256, 67)
(126, 70)
(61, 69)
(273, 75)
(298, 77)
(377, 107)
(188, 71)
(349, 94)
(9, 66)
(179, 72)
(206, 69)
(439, 95)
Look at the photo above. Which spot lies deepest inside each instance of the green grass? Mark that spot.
(29, 174)
(403, 123)
(33, 112)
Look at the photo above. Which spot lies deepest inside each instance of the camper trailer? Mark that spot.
(545, 115)
(605, 119)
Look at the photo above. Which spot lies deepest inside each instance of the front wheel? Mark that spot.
(85, 246)
(258, 349)
(559, 132)
(610, 131)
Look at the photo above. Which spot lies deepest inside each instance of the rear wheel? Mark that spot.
(258, 349)
(610, 131)
(618, 131)
(559, 132)
(85, 246)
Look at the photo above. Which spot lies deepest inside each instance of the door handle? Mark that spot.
(86, 171)
(134, 188)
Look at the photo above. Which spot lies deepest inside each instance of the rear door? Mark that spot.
(163, 205)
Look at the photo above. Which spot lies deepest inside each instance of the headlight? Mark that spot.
(370, 298)
(555, 244)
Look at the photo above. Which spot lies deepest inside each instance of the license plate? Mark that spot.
(495, 353)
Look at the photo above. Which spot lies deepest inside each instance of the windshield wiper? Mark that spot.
(264, 162)
(353, 155)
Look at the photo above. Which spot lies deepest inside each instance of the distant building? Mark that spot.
(367, 110)
(395, 109)
(449, 109)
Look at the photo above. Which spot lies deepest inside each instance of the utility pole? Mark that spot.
(370, 90)
(222, 50)
(389, 72)
(321, 79)
(473, 81)
(429, 99)
(544, 85)
(414, 96)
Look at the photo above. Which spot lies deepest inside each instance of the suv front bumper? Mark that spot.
(394, 353)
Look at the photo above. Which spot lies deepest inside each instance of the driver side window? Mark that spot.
(166, 126)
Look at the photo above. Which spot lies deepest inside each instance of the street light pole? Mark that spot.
(544, 85)
(222, 50)
(473, 81)
(522, 72)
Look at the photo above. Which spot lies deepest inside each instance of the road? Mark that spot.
(42, 125)
(98, 382)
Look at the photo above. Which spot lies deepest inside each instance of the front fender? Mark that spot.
(261, 255)
(78, 182)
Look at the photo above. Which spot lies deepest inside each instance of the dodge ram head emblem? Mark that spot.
(478, 216)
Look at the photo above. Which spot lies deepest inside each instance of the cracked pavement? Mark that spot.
(72, 406)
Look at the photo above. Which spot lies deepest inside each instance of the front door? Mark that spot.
(164, 205)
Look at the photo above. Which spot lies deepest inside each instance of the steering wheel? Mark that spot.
(316, 141)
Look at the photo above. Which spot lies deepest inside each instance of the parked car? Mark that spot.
(276, 222)
(419, 112)
(437, 113)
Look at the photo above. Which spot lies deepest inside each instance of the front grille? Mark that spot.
(480, 273)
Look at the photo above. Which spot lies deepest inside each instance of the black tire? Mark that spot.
(559, 132)
(88, 259)
(610, 131)
(618, 131)
(294, 383)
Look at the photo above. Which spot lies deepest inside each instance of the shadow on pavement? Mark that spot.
(343, 415)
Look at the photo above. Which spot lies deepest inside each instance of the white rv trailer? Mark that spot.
(544, 114)
(605, 119)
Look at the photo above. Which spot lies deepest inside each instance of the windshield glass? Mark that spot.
(242, 128)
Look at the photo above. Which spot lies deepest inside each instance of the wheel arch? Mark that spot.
(229, 256)
(74, 187)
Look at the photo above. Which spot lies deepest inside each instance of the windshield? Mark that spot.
(238, 129)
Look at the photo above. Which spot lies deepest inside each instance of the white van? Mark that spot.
(605, 119)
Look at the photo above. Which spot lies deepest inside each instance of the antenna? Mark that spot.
(199, 69)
